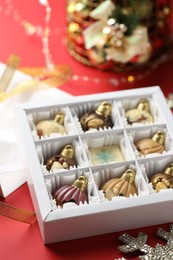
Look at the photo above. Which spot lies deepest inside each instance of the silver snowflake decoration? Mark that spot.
(170, 101)
(159, 252)
(168, 236)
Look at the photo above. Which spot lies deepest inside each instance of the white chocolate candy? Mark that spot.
(46, 127)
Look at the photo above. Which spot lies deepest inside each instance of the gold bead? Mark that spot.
(131, 78)
(71, 8)
(166, 10)
(79, 6)
(160, 23)
(106, 30)
(74, 28)
(111, 21)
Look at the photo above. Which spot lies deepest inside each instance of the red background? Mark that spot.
(22, 241)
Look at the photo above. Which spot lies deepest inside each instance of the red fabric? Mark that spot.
(22, 241)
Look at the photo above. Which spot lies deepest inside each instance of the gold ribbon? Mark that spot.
(17, 213)
(41, 79)
(61, 73)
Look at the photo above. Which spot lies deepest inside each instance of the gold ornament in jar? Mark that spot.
(119, 34)
(99, 118)
(152, 145)
(123, 186)
(163, 180)
(141, 114)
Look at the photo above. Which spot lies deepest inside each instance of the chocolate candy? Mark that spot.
(141, 114)
(62, 161)
(123, 186)
(152, 145)
(99, 118)
(163, 180)
(46, 127)
(77, 192)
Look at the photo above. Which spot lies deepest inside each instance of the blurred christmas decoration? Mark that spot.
(118, 34)
(76, 42)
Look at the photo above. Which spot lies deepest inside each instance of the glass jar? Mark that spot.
(118, 34)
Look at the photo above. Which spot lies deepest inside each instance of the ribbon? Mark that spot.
(42, 79)
(62, 73)
(17, 213)
(12, 64)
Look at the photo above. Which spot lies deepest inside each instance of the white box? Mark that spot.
(100, 216)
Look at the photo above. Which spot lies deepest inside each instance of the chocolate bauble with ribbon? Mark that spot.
(140, 114)
(77, 192)
(99, 118)
(152, 145)
(163, 180)
(47, 127)
(123, 186)
(64, 160)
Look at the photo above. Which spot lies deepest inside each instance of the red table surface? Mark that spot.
(22, 241)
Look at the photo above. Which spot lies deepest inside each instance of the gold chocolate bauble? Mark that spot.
(123, 186)
(99, 118)
(64, 160)
(114, 33)
(163, 180)
(141, 114)
(47, 127)
(152, 145)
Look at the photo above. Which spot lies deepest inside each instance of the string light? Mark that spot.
(43, 2)
(44, 32)
(45, 37)
(13, 13)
